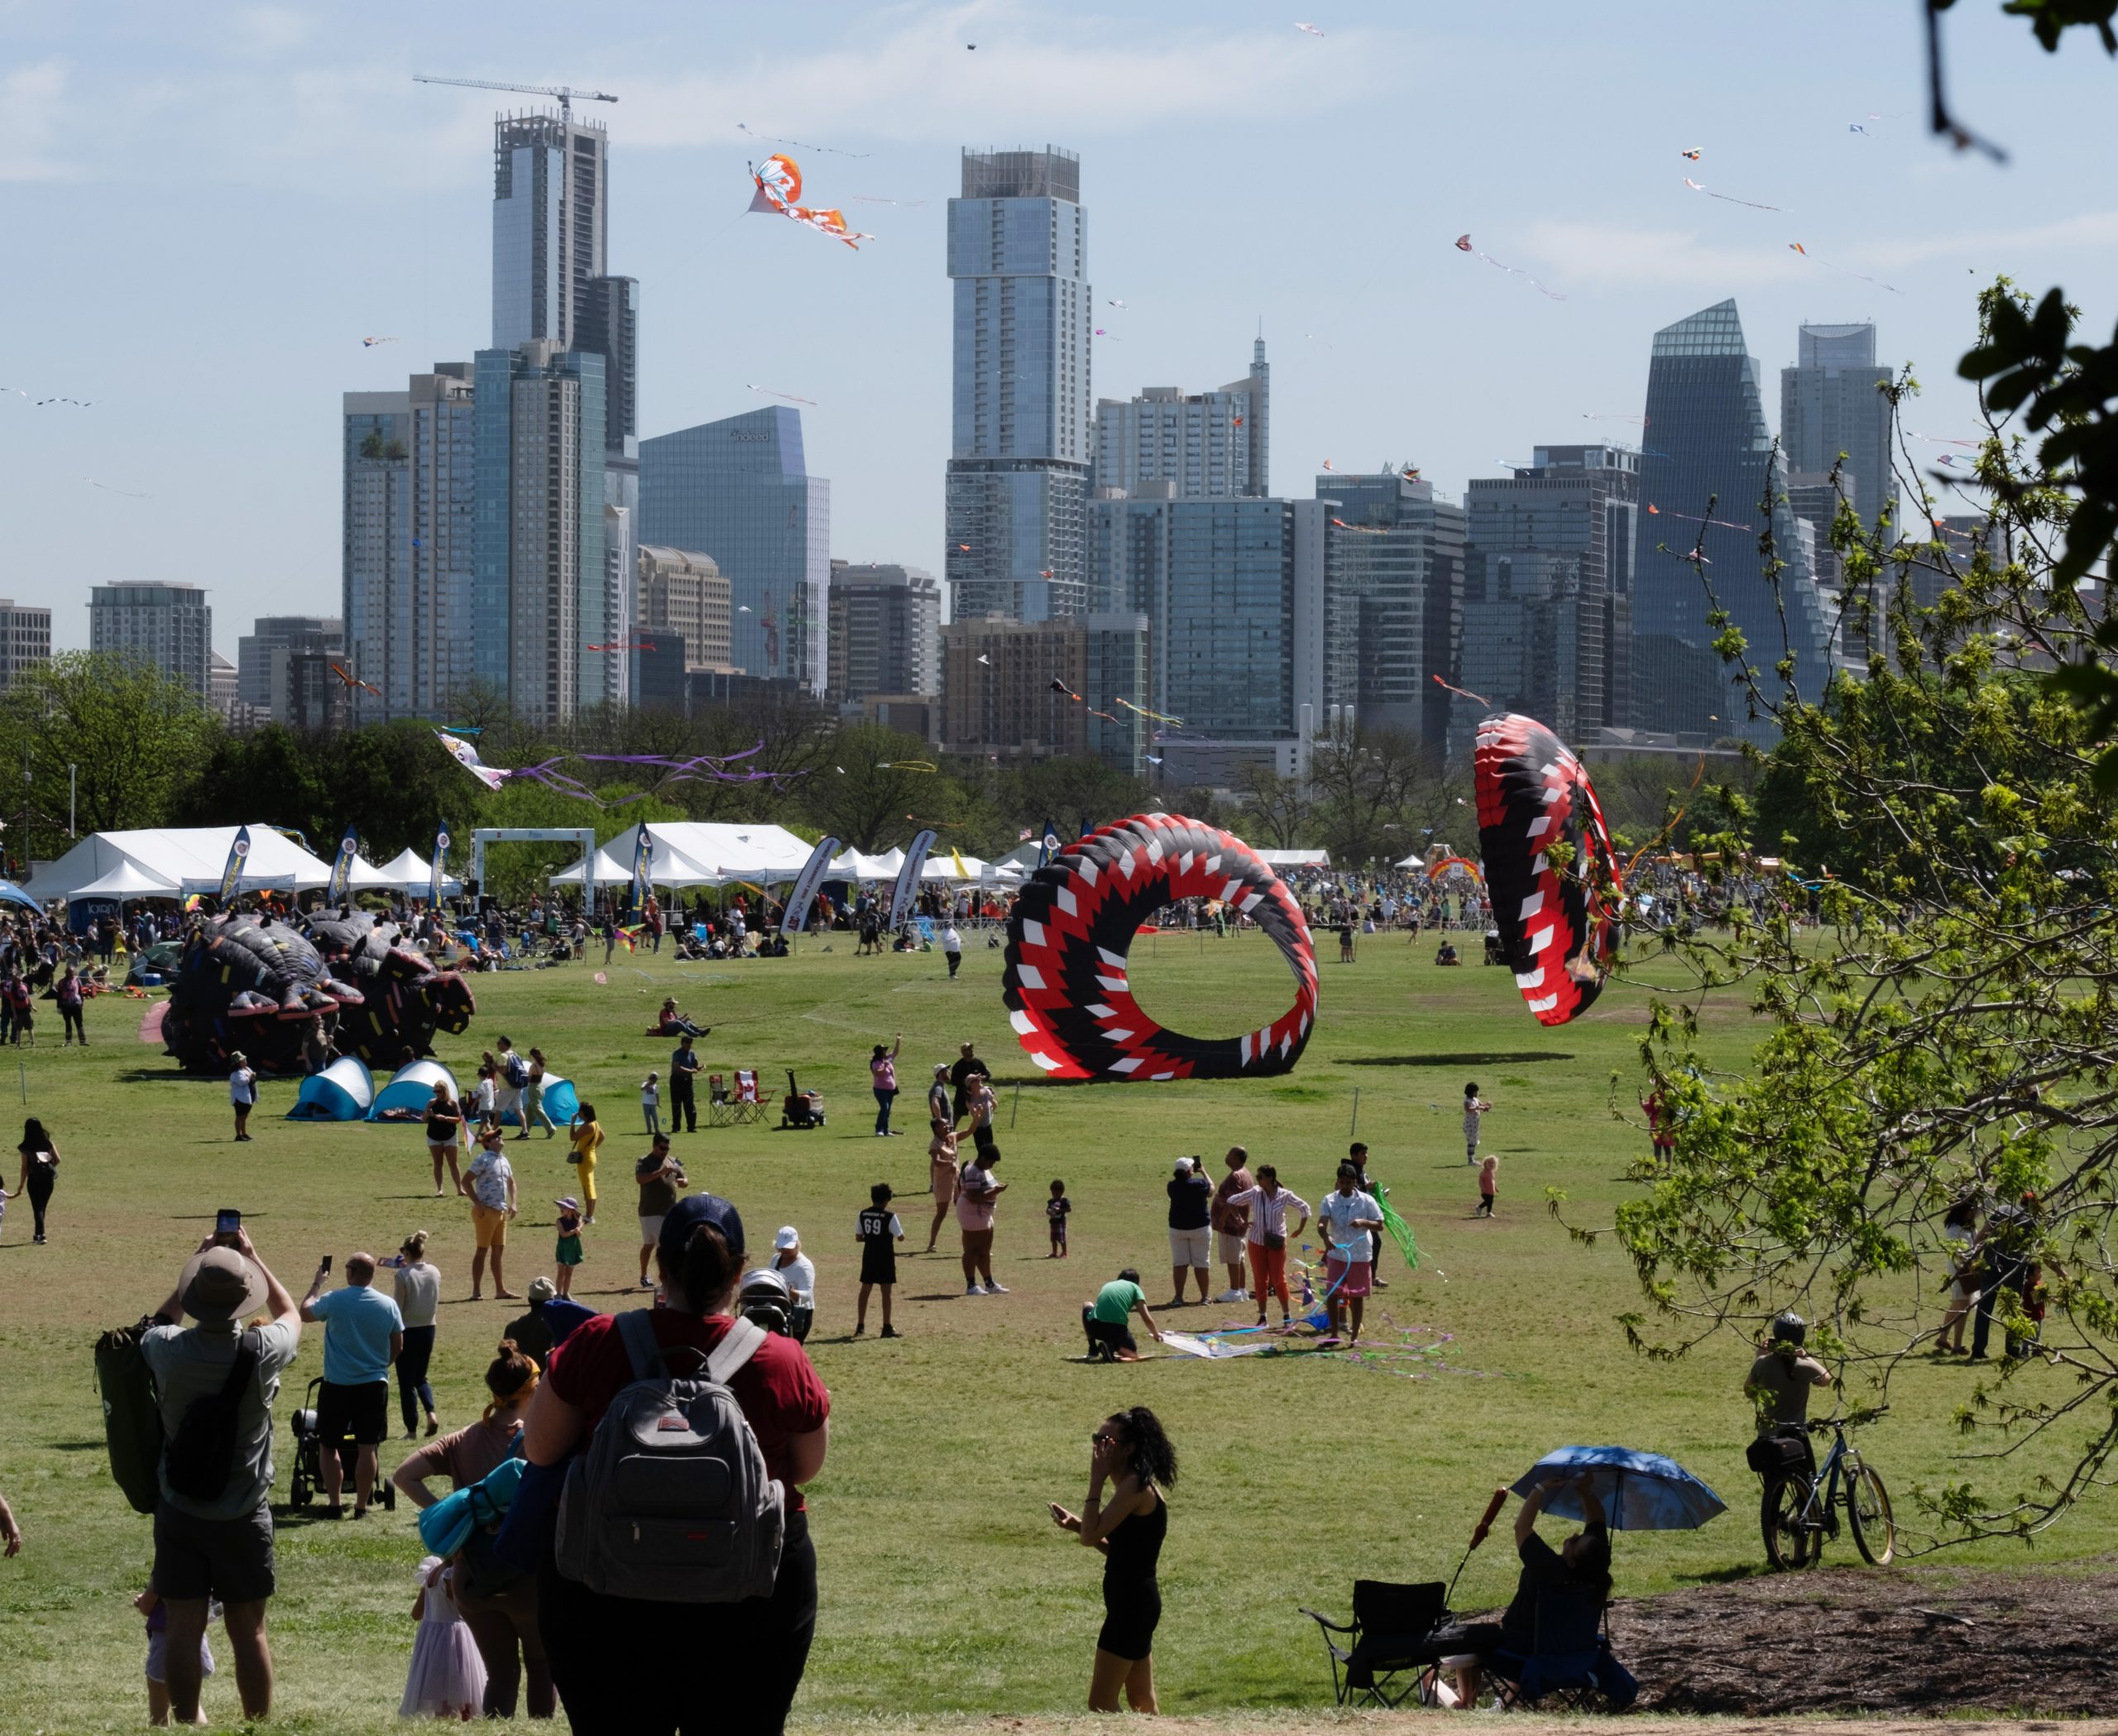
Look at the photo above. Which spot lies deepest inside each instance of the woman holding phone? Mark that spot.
(1130, 1453)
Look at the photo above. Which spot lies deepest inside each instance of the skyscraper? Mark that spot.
(168, 625)
(683, 598)
(25, 640)
(407, 547)
(1711, 456)
(1393, 599)
(1164, 442)
(1830, 402)
(886, 632)
(1548, 588)
(736, 490)
(265, 650)
(549, 214)
(1006, 688)
(541, 586)
(1019, 442)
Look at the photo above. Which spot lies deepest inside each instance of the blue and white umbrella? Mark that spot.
(1640, 1491)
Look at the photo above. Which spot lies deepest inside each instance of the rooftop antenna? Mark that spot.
(565, 93)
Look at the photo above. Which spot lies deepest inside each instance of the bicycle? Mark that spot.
(1800, 1511)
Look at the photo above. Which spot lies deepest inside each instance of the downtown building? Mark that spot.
(885, 634)
(1714, 459)
(167, 626)
(25, 640)
(1168, 443)
(408, 482)
(1393, 591)
(1548, 565)
(736, 491)
(1015, 690)
(1831, 405)
(1233, 591)
(1020, 436)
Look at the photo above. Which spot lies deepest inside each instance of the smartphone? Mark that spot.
(227, 1221)
(326, 1266)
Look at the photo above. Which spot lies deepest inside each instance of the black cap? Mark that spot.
(692, 1211)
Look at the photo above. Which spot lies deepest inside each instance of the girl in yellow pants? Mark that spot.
(586, 1133)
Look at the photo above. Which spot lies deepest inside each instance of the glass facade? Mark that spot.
(548, 199)
(1208, 443)
(735, 490)
(1708, 454)
(1394, 601)
(1225, 630)
(1019, 444)
(1830, 403)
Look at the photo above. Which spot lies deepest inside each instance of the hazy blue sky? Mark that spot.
(208, 206)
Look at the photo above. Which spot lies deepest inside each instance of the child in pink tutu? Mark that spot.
(447, 1678)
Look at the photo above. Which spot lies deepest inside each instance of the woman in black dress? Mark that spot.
(1130, 1452)
(40, 1170)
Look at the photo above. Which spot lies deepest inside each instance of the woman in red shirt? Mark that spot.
(623, 1664)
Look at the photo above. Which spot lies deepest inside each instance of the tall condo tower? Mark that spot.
(550, 198)
(1020, 441)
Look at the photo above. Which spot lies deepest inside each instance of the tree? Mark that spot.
(861, 794)
(1274, 808)
(1942, 1030)
(1361, 782)
(128, 734)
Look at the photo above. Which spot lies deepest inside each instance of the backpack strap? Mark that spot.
(246, 1349)
(744, 1340)
(636, 1332)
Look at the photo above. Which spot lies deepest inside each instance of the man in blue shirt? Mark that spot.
(363, 1334)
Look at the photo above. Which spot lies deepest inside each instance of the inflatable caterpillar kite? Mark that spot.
(1065, 984)
(1557, 928)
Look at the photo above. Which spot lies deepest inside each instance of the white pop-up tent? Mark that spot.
(699, 853)
(1295, 858)
(853, 866)
(125, 882)
(178, 859)
(409, 872)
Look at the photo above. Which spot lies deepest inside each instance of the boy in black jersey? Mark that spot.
(879, 1233)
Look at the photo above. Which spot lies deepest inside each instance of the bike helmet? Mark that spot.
(766, 1299)
(1789, 1327)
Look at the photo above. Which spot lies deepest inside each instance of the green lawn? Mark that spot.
(945, 1586)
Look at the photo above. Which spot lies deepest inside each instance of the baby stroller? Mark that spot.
(308, 1461)
(799, 1109)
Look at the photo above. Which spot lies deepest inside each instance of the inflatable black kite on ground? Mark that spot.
(1558, 930)
(1074, 922)
(255, 985)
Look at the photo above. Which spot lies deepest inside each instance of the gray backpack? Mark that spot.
(671, 1502)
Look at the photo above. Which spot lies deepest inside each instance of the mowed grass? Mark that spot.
(946, 1587)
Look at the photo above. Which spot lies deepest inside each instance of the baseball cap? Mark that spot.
(1183, 1166)
(788, 1237)
(689, 1213)
(542, 1289)
(218, 1284)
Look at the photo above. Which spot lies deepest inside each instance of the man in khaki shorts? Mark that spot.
(1232, 1223)
(490, 1182)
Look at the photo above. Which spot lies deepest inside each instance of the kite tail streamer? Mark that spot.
(1401, 1232)
(1461, 694)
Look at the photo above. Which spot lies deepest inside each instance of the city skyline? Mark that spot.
(1200, 135)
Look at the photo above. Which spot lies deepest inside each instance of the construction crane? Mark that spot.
(565, 93)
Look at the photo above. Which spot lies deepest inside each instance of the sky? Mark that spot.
(208, 207)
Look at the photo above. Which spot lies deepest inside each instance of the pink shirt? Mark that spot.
(885, 1068)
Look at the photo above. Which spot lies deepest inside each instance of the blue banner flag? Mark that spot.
(341, 871)
(232, 875)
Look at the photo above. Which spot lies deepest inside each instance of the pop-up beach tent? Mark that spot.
(409, 1090)
(342, 1092)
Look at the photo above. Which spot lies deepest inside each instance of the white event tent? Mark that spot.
(170, 862)
(698, 853)
(409, 872)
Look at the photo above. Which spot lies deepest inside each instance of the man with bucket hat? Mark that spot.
(214, 1538)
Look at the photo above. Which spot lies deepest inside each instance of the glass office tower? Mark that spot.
(1019, 441)
(549, 189)
(1165, 440)
(1708, 454)
(735, 491)
(1831, 402)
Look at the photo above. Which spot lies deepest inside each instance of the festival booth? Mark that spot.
(1278, 859)
(342, 1092)
(173, 861)
(853, 866)
(409, 871)
(698, 853)
(410, 1089)
(10, 893)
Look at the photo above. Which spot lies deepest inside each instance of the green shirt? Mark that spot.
(1116, 1301)
(187, 1364)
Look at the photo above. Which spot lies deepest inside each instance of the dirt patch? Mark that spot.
(1926, 1642)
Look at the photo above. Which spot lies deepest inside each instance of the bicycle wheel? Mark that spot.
(1867, 1505)
(1790, 1538)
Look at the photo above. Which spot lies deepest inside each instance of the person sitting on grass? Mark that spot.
(1107, 1319)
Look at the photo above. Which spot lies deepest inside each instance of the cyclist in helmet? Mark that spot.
(1780, 1381)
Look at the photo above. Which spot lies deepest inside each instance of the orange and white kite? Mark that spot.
(778, 182)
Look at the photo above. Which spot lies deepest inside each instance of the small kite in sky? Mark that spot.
(766, 391)
(1464, 246)
(1112, 336)
(1238, 421)
(964, 547)
(985, 660)
(40, 402)
(1115, 304)
(1158, 717)
(800, 145)
(1152, 759)
(1327, 464)
(1724, 523)
(1044, 572)
(1061, 687)
(1591, 415)
(1728, 198)
(1364, 529)
(626, 645)
(1410, 472)
(369, 343)
(107, 489)
(1940, 440)
(1312, 30)
(778, 182)
(744, 608)
(1856, 127)
(1691, 156)
(1694, 557)
(1795, 246)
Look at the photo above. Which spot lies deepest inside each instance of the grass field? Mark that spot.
(946, 1588)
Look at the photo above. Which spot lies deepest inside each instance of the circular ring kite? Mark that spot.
(1065, 984)
(1558, 930)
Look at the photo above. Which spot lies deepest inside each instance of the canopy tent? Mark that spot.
(409, 872)
(699, 853)
(190, 859)
(1297, 858)
(10, 893)
(126, 881)
(410, 1089)
(853, 866)
(341, 1092)
(1023, 855)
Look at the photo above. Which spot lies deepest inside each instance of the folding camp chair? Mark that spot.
(749, 1101)
(1388, 1647)
(1570, 1666)
(720, 1106)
